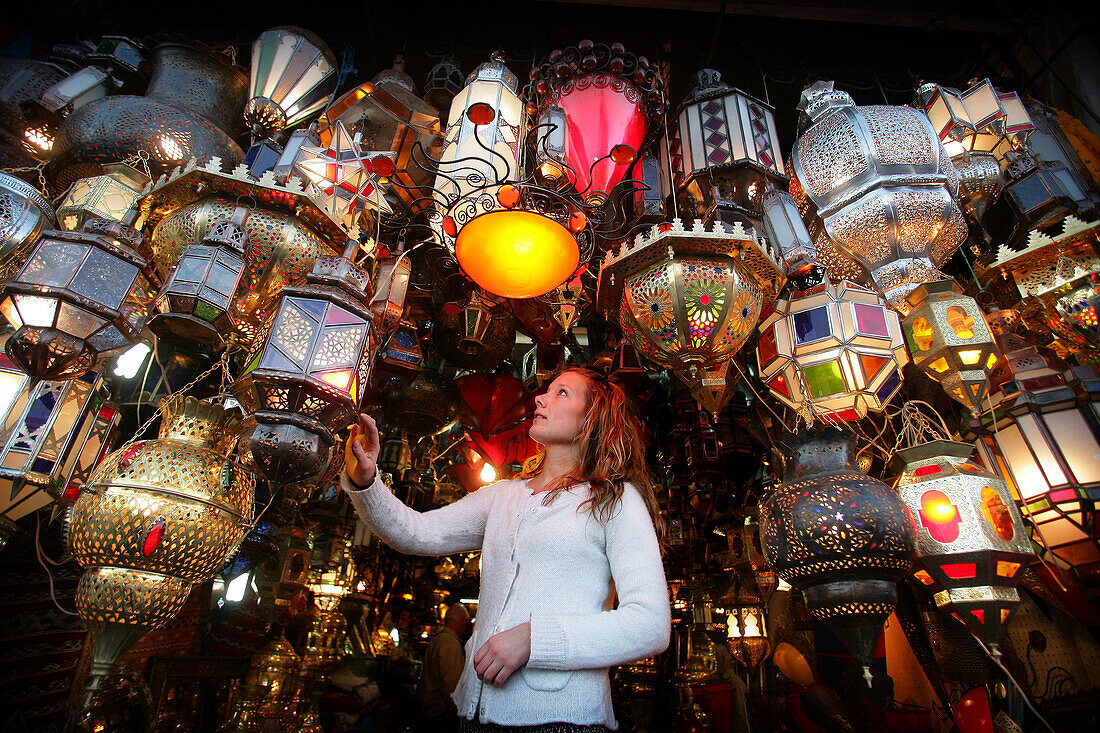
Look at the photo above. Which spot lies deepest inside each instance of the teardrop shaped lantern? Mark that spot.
(841, 537)
(687, 299)
(155, 519)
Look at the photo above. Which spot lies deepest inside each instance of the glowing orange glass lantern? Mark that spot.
(517, 254)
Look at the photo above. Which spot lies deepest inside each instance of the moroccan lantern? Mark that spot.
(108, 196)
(388, 116)
(197, 301)
(687, 299)
(156, 518)
(80, 294)
(723, 151)
(388, 302)
(287, 229)
(841, 537)
(423, 406)
(24, 214)
(305, 374)
(496, 411)
(475, 334)
(950, 341)
(401, 351)
(191, 109)
(350, 177)
(882, 212)
(482, 147)
(444, 81)
(978, 120)
(1042, 438)
(293, 75)
(266, 687)
(746, 628)
(834, 350)
(790, 240)
(972, 549)
(606, 99)
(51, 437)
(395, 455)
(283, 575)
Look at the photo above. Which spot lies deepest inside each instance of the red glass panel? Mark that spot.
(153, 538)
(847, 415)
(871, 320)
(779, 384)
(72, 492)
(960, 570)
(337, 316)
(926, 470)
(766, 348)
(979, 613)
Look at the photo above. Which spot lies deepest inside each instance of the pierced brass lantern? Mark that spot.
(155, 518)
(108, 196)
(950, 341)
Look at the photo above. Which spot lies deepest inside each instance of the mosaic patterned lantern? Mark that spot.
(108, 196)
(608, 99)
(388, 115)
(876, 188)
(80, 294)
(52, 436)
(834, 351)
(951, 342)
(24, 214)
(293, 75)
(196, 302)
(972, 549)
(687, 299)
(191, 109)
(1056, 275)
(157, 517)
(288, 227)
(482, 147)
(350, 177)
(1043, 440)
(723, 151)
(841, 537)
(305, 374)
(402, 351)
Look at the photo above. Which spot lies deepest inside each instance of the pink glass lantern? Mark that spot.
(608, 97)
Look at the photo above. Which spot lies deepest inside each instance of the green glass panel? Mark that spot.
(824, 380)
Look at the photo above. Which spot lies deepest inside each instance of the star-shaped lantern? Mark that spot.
(350, 177)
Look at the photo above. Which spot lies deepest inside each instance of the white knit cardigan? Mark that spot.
(559, 569)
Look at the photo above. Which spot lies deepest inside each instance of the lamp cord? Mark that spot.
(41, 555)
(1023, 692)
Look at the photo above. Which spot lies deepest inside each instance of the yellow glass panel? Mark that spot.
(939, 365)
(970, 356)
(923, 333)
(924, 577)
(961, 322)
(991, 361)
(1007, 569)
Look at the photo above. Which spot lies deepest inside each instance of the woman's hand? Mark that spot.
(503, 654)
(361, 452)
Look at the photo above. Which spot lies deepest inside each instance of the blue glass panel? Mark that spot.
(811, 325)
(892, 383)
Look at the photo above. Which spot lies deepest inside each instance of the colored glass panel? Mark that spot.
(766, 347)
(888, 388)
(824, 380)
(779, 384)
(871, 365)
(960, 570)
(871, 320)
(811, 325)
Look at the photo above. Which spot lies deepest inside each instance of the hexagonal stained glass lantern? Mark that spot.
(51, 437)
(197, 302)
(950, 341)
(834, 350)
(80, 294)
(305, 375)
(108, 196)
(972, 549)
(687, 299)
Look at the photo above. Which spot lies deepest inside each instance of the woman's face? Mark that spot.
(560, 411)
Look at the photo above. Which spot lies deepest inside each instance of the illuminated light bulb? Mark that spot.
(488, 473)
(937, 507)
(131, 360)
(234, 592)
(395, 636)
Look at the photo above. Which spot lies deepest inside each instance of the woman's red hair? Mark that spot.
(612, 452)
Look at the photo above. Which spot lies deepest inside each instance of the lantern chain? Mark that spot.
(39, 169)
(917, 426)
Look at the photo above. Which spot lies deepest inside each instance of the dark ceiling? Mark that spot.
(878, 51)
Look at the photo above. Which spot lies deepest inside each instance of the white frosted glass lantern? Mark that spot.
(108, 196)
(978, 120)
(482, 147)
(293, 75)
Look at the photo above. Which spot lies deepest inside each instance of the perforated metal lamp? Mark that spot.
(108, 196)
(293, 74)
(305, 374)
(80, 294)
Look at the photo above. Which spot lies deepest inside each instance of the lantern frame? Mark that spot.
(829, 338)
(978, 119)
(109, 196)
(79, 294)
(935, 330)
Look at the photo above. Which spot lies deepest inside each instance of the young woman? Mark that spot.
(576, 529)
